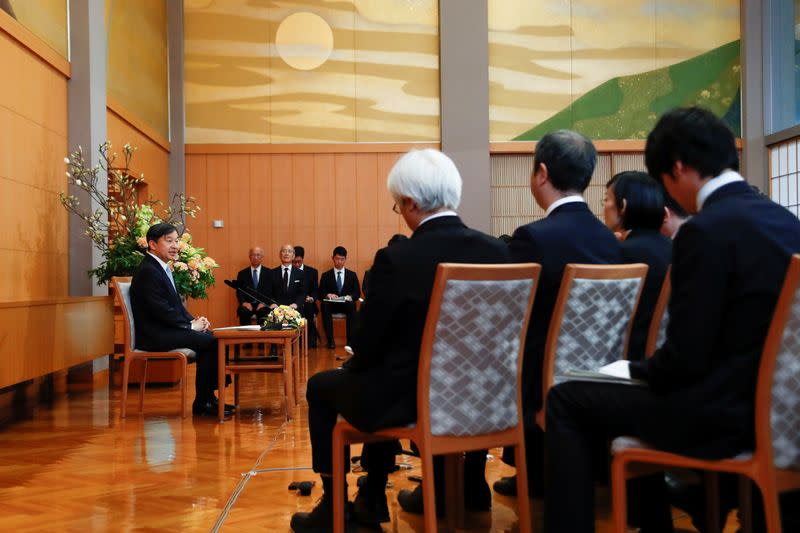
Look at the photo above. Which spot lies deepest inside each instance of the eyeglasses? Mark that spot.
(395, 208)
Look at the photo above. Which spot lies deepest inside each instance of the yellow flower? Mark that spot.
(142, 242)
(194, 264)
(182, 246)
(186, 237)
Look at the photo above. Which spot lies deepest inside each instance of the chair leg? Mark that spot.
(619, 495)
(746, 505)
(711, 482)
(772, 511)
(183, 386)
(523, 500)
(236, 390)
(338, 480)
(428, 494)
(141, 388)
(126, 366)
(454, 491)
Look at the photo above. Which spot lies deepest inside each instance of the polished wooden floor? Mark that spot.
(75, 466)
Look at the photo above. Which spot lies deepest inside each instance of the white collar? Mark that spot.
(726, 178)
(565, 200)
(301, 267)
(289, 266)
(447, 213)
(257, 269)
(160, 262)
(338, 271)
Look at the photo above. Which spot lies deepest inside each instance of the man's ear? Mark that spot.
(624, 206)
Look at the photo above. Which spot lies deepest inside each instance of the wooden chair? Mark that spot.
(774, 465)
(591, 321)
(657, 333)
(122, 287)
(475, 330)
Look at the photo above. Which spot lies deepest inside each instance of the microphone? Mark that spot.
(257, 296)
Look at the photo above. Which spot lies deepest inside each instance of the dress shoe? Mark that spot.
(370, 510)
(208, 409)
(475, 499)
(331, 345)
(229, 408)
(320, 519)
(507, 486)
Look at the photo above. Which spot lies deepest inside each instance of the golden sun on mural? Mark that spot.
(304, 40)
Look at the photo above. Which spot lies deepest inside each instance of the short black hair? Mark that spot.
(674, 206)
(694, 136)
(397, 237)
(505, 237)
(644, 200)
(299, 251)
(340, 250)
(570, 159)
(159, 230)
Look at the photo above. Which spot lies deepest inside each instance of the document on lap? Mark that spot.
(339, 299)
(616, 372)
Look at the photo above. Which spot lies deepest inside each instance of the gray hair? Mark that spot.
(428, 177)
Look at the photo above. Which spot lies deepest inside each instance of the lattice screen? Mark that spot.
(512, 202)
(783, 174)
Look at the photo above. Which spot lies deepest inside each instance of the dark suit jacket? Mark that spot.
(312, 281)
(728, 265)
(157, 309)
(296, 292)
(245, 279)
(389, 330)
(655, 250)
(570, 234)
(350, 287)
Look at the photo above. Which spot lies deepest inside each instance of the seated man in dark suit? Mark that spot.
(377, 387)
(288, 285)
(163, 323)
(257, 278)
(569, 233)
(634, 208)
(339, 282)
(729, 262)
(312, 294)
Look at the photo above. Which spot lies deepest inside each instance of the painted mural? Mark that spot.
(264, 71)
(47, 19)
(609, 68)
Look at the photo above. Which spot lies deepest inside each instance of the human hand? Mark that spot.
(309, 299)
(348, 298)
(260, 306)
(332, 296)
(248, 306)
(273, 306)
(199, 324)
(293, 306)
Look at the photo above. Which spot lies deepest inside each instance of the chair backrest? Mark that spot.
(657, 333)
(778, 389)
(470, 370)
(592, 319)
(122, 292)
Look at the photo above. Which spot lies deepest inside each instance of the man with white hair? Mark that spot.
(377, 387)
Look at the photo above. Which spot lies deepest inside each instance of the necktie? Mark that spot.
(255, 278)
(171, 279)
(286, 278)
(339, 282)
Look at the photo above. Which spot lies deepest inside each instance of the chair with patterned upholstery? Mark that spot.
(591, 322)
(657, 333)
(774, 465)
(469, 379)
(122, 291)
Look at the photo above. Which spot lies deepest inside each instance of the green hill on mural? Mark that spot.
(627, 107)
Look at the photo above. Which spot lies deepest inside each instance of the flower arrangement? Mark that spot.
(119, 224)
(282, 317)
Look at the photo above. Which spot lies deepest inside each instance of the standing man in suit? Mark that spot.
(336, 283)
(729, 262)
(376, 388)
(257, 278)
(163, 323)
(312, 294)
(569, 233)
(288, 285)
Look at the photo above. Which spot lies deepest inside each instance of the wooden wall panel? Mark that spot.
(33, 143)
(151, 158)
(319, 200)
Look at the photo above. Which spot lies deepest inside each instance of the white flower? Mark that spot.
(66, 160)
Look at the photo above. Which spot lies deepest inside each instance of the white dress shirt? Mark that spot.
(561, 201)
(726, 178)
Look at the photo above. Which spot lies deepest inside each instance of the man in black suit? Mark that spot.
(254, 277)
(339, 283)
(377, 387)
(569, 233)
(288, 285)
(312, 294)
(163, 323)
(729, 262)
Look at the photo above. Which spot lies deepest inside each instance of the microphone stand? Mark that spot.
(255, 296)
